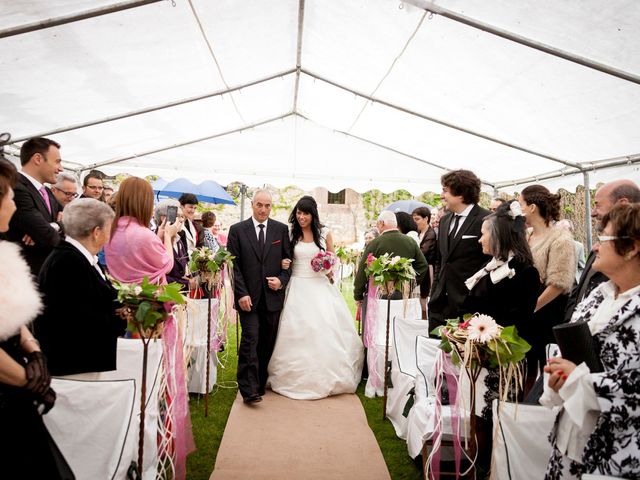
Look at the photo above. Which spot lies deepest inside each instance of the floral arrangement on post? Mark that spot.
(387, 273)
(210, 267)
(480, 342)
(145, 308)
(391, 273)
(324, 261)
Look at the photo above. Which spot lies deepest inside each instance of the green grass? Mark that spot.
(208, 431)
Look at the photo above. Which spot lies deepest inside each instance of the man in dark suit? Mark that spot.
(607, 196)
(393, 242)
(259, 245)
(35, 225)
(459, 253)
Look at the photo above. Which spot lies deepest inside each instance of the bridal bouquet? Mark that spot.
(481, 342)
(324, 261)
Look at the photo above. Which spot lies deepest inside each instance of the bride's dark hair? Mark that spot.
(306, 204)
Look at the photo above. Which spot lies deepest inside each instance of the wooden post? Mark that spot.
(206, 393)
(386, 359)
(143, 402)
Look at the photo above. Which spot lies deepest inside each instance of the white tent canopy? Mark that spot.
(361, 93)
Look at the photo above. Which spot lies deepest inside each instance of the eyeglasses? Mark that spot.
(608, 238)
(68, 194)
(95, 187)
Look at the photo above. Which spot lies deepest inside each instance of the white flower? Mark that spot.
(515, 210)
(394, 260)
(483, 328)
(137, 290)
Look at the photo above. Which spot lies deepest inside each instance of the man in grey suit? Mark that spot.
(459, 253)
(259, 245)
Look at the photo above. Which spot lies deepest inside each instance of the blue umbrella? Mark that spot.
(208, 191)
(406, 206)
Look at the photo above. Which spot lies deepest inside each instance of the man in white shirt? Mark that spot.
(35, 224)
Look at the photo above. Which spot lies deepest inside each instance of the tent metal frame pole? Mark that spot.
(74, 17)
(589, 167)
(587, 210)
(142, 111)
(182, 144)
(542, 47)
(442, 122)
(298, 54)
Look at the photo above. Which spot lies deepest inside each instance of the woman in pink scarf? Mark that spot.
(134, 251)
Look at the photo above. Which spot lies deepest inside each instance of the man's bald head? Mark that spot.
(614, 193)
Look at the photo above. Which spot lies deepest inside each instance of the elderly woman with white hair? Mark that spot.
(79, 327)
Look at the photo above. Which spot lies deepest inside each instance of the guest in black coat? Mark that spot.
(35, 225)
(505, 289)
(459, 254)
(79, 328)
(178, 272)
(429, 248)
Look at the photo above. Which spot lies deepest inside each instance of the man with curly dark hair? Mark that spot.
(459, 253)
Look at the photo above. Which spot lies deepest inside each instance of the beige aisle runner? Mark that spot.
(281, 438)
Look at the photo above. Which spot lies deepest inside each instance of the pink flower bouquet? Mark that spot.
(324, 261)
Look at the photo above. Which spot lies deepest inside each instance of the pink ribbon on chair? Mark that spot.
(444, 366)
(178, 400)
(370, 326)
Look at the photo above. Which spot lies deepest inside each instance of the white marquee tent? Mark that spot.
(335, 93)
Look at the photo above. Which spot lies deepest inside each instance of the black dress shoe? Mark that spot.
(252, 399)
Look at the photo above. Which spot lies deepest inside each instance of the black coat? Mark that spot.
(33, 218)
(429, 248)
(589, 280)
(511, 301)
(251, 268)
(456, 263)
(78, 329)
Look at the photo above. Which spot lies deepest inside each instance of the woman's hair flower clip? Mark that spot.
(515, 210)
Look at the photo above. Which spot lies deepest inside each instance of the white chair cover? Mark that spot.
(90, 422)
(408, 309)
(129, 366)
(403, 369)
(522, 444)
(195, 339)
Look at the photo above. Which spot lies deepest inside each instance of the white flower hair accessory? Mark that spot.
(515, 210)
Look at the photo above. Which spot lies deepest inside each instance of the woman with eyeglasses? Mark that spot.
(597, 429)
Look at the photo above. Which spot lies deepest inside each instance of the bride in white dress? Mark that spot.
(318, 352)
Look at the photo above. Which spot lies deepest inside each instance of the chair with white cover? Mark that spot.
(408, 309)
(521, 448)
(402, 353)
(90, 423)
(195, 339)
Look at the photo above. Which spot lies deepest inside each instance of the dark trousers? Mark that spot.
(259, 332)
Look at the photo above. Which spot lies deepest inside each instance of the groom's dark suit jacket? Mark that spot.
(32, 218)
(455, 263)
(251, 268)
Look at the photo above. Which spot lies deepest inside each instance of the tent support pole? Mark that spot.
(587, 210)
(441, 122)
(298, 54)
(74, 17)
(153, 109)
(527, 42)
(243, 196)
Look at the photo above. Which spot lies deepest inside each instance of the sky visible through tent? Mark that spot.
(361, 94)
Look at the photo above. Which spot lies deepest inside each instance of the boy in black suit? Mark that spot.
(259, 245)
(459, 253)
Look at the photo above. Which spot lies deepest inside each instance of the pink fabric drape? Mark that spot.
(370, 326)
(134, 252)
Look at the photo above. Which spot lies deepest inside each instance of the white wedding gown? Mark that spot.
(318, 352)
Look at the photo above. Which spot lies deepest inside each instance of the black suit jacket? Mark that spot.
(455, 263)
(78, 329)
(589, 280)
(251, 268)
(33, 218)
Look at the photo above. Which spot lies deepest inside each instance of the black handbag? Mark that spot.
(577, 345)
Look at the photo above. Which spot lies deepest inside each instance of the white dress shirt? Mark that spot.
(463, 216)
(257, 229)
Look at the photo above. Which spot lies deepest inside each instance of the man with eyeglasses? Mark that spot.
(92, 186)
(607, 196)
(65, 189)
